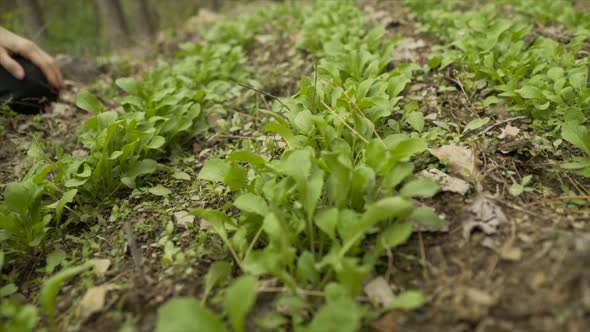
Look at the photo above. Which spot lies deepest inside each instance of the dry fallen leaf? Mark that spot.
(183, 218)
(461, 159)
(510, 253)
(407, 49)
(447, 182)
(389, 322)
(101, 266)
(478, 297)
(537, 280)
(509, 131)
(93, 301)
(264, 38)
(485, 216)
(379, 292)
(204, 224)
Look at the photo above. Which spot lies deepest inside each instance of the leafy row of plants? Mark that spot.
(157, 113)
(562, 12)
(542, 78)
(319, 215)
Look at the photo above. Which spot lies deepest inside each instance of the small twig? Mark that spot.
(423, 257)
(345, 123)
(362, 114)
(523, 210)
(492, 267)
(264, 94)
(389, 271)
(132, 245)
(499, 123)
(561, 198)
(228, 136)
(456, 81)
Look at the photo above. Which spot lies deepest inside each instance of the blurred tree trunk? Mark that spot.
(34, 22)
(214, 4)
(145, 25)
(113, 22)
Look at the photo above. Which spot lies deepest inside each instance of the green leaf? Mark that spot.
(376, 155)
(416, 120)
(251, 203)
(530, 92)
(306, 268)
(285, 132)
(181, 176)
(51, 287)
(88, 102)
(54, 259)
(187, 315)
(476, 124)
(218, 273)
(396, 175)
(408, 300)
(516, 189)
(312, 193)
(237, 177)
(395, 234)
(247, 157)
(86, 172)
(326, 221)
(238, 301)
(128, 85)
(156, 142)
(68, 197)
(160, 190)
(578, 78)
(423, 187)
(214, 170)
(426, 216)
(577, 135)
(388, 208)
(35, 151)
(555, 73)
(73, 183)
(8, 290)
(339, 314)
(217, 220)
(405, 148)
(142, 167)
(297, 165)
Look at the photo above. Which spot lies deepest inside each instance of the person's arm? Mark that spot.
(12, 44)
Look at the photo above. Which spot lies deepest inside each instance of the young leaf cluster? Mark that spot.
(305, 216)
(542, 78)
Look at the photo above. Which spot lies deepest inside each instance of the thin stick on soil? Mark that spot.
(362, 114)
(345, 123)
(499, 123)
(561, 198)
(132, 245)
(423, 257)
(265, 94)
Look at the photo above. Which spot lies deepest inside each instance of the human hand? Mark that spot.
(12, 44)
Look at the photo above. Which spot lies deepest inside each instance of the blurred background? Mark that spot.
(94, 27)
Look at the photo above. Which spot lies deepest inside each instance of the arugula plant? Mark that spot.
(554, 11)
(578, 136)
(304, 217)
(544, 79)
(164, 109)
